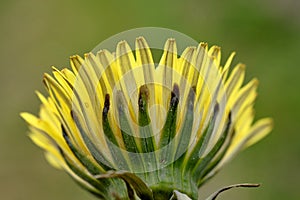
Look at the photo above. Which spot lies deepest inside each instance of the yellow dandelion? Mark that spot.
(126, 128)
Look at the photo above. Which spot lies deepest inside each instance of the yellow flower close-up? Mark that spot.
(125, 127)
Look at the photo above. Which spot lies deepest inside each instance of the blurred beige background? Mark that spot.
(38, 34)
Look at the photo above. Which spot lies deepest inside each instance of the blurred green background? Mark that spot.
(38, 34)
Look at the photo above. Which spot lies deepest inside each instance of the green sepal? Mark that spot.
(137, 184)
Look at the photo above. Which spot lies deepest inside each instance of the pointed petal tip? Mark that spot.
(203, 45)
(87, 55)
(72, 57)
(170, 46)
(123, 48)
(269, 121)
(38, 93)
(23, 114)
(122, 43)
(261, 129)
(216, 48)
(141, 43)
(171, 40)
(255, 82)
(241, 66)
(46, 76)
(140, 38)
(54, 68)
(101, 51)
(27, 116)
(76, 56)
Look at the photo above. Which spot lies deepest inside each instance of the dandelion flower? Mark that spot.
(126, 128)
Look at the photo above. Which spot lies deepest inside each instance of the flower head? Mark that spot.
(125, 128)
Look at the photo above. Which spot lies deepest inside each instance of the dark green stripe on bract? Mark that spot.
(87, 181)
(199, 169)
(169, 129)
(203, 141)
(167, 148)
(186, 130)
(183, 140)
(111, 139)
(126, 130)
(148, 144)
(130, 141)
(82, 158)
(220, 155)
(106, 127)
(146, 134)
(101, 186)
(98, 156)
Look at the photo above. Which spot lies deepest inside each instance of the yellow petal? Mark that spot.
(259, 130)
